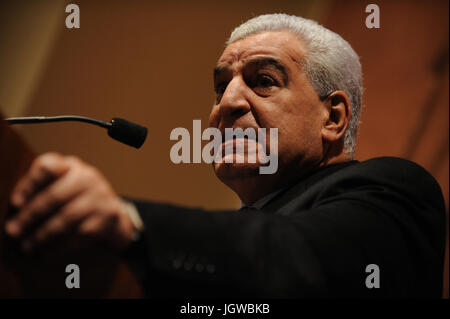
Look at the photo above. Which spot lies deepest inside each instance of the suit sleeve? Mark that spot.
(322, 251)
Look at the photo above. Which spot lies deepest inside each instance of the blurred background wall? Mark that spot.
(151, 62)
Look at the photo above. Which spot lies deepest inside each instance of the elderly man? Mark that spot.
(323, 225)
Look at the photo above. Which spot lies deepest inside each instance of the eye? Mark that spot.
(264, 84)
(264, 81)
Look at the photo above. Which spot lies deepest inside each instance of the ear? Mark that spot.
(337, 116)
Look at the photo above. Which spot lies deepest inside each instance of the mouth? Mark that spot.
(239, 145)
(236, 141)
(241, 134)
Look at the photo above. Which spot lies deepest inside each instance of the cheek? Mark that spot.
(298, 136)
(214, 117)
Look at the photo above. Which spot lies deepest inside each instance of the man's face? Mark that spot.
(260, 83)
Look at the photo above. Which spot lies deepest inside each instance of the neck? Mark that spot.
(252, 188)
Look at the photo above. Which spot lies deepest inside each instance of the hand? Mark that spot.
(60, 195)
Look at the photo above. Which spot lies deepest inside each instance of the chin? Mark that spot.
(234, 171)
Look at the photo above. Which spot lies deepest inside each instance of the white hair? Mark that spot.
(330, 62)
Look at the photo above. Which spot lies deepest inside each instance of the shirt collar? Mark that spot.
(259, 204)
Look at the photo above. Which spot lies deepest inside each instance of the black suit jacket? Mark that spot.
(314, 239)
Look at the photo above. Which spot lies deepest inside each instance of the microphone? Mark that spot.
(127, 132)
(119, 129)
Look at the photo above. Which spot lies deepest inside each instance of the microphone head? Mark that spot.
(127, 132)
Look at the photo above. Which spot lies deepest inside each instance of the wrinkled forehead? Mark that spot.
(282, 45)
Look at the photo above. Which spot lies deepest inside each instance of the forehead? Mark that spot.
(282, 45)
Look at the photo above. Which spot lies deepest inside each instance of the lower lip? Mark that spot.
(239, 141)
(240, 146)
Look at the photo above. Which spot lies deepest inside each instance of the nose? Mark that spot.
(234, 101)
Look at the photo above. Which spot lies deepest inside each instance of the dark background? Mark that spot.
(151, 62)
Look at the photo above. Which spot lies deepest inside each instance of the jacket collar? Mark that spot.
(289, 193)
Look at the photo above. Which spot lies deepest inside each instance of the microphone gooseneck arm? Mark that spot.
(63, 118)
(119, 129)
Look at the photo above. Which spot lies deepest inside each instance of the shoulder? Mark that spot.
(395, 174)
(381, 181)
(387, 182)
(392, 166)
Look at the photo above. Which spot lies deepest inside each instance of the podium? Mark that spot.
(43, 275)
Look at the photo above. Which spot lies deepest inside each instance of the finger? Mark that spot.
(44, 203)
(104, 228)
(42, 171)
(63, 222)
(92, 228)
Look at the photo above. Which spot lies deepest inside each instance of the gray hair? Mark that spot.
(330, 62)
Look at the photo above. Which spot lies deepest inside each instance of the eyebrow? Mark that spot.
(260, 62)
(269, 61)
